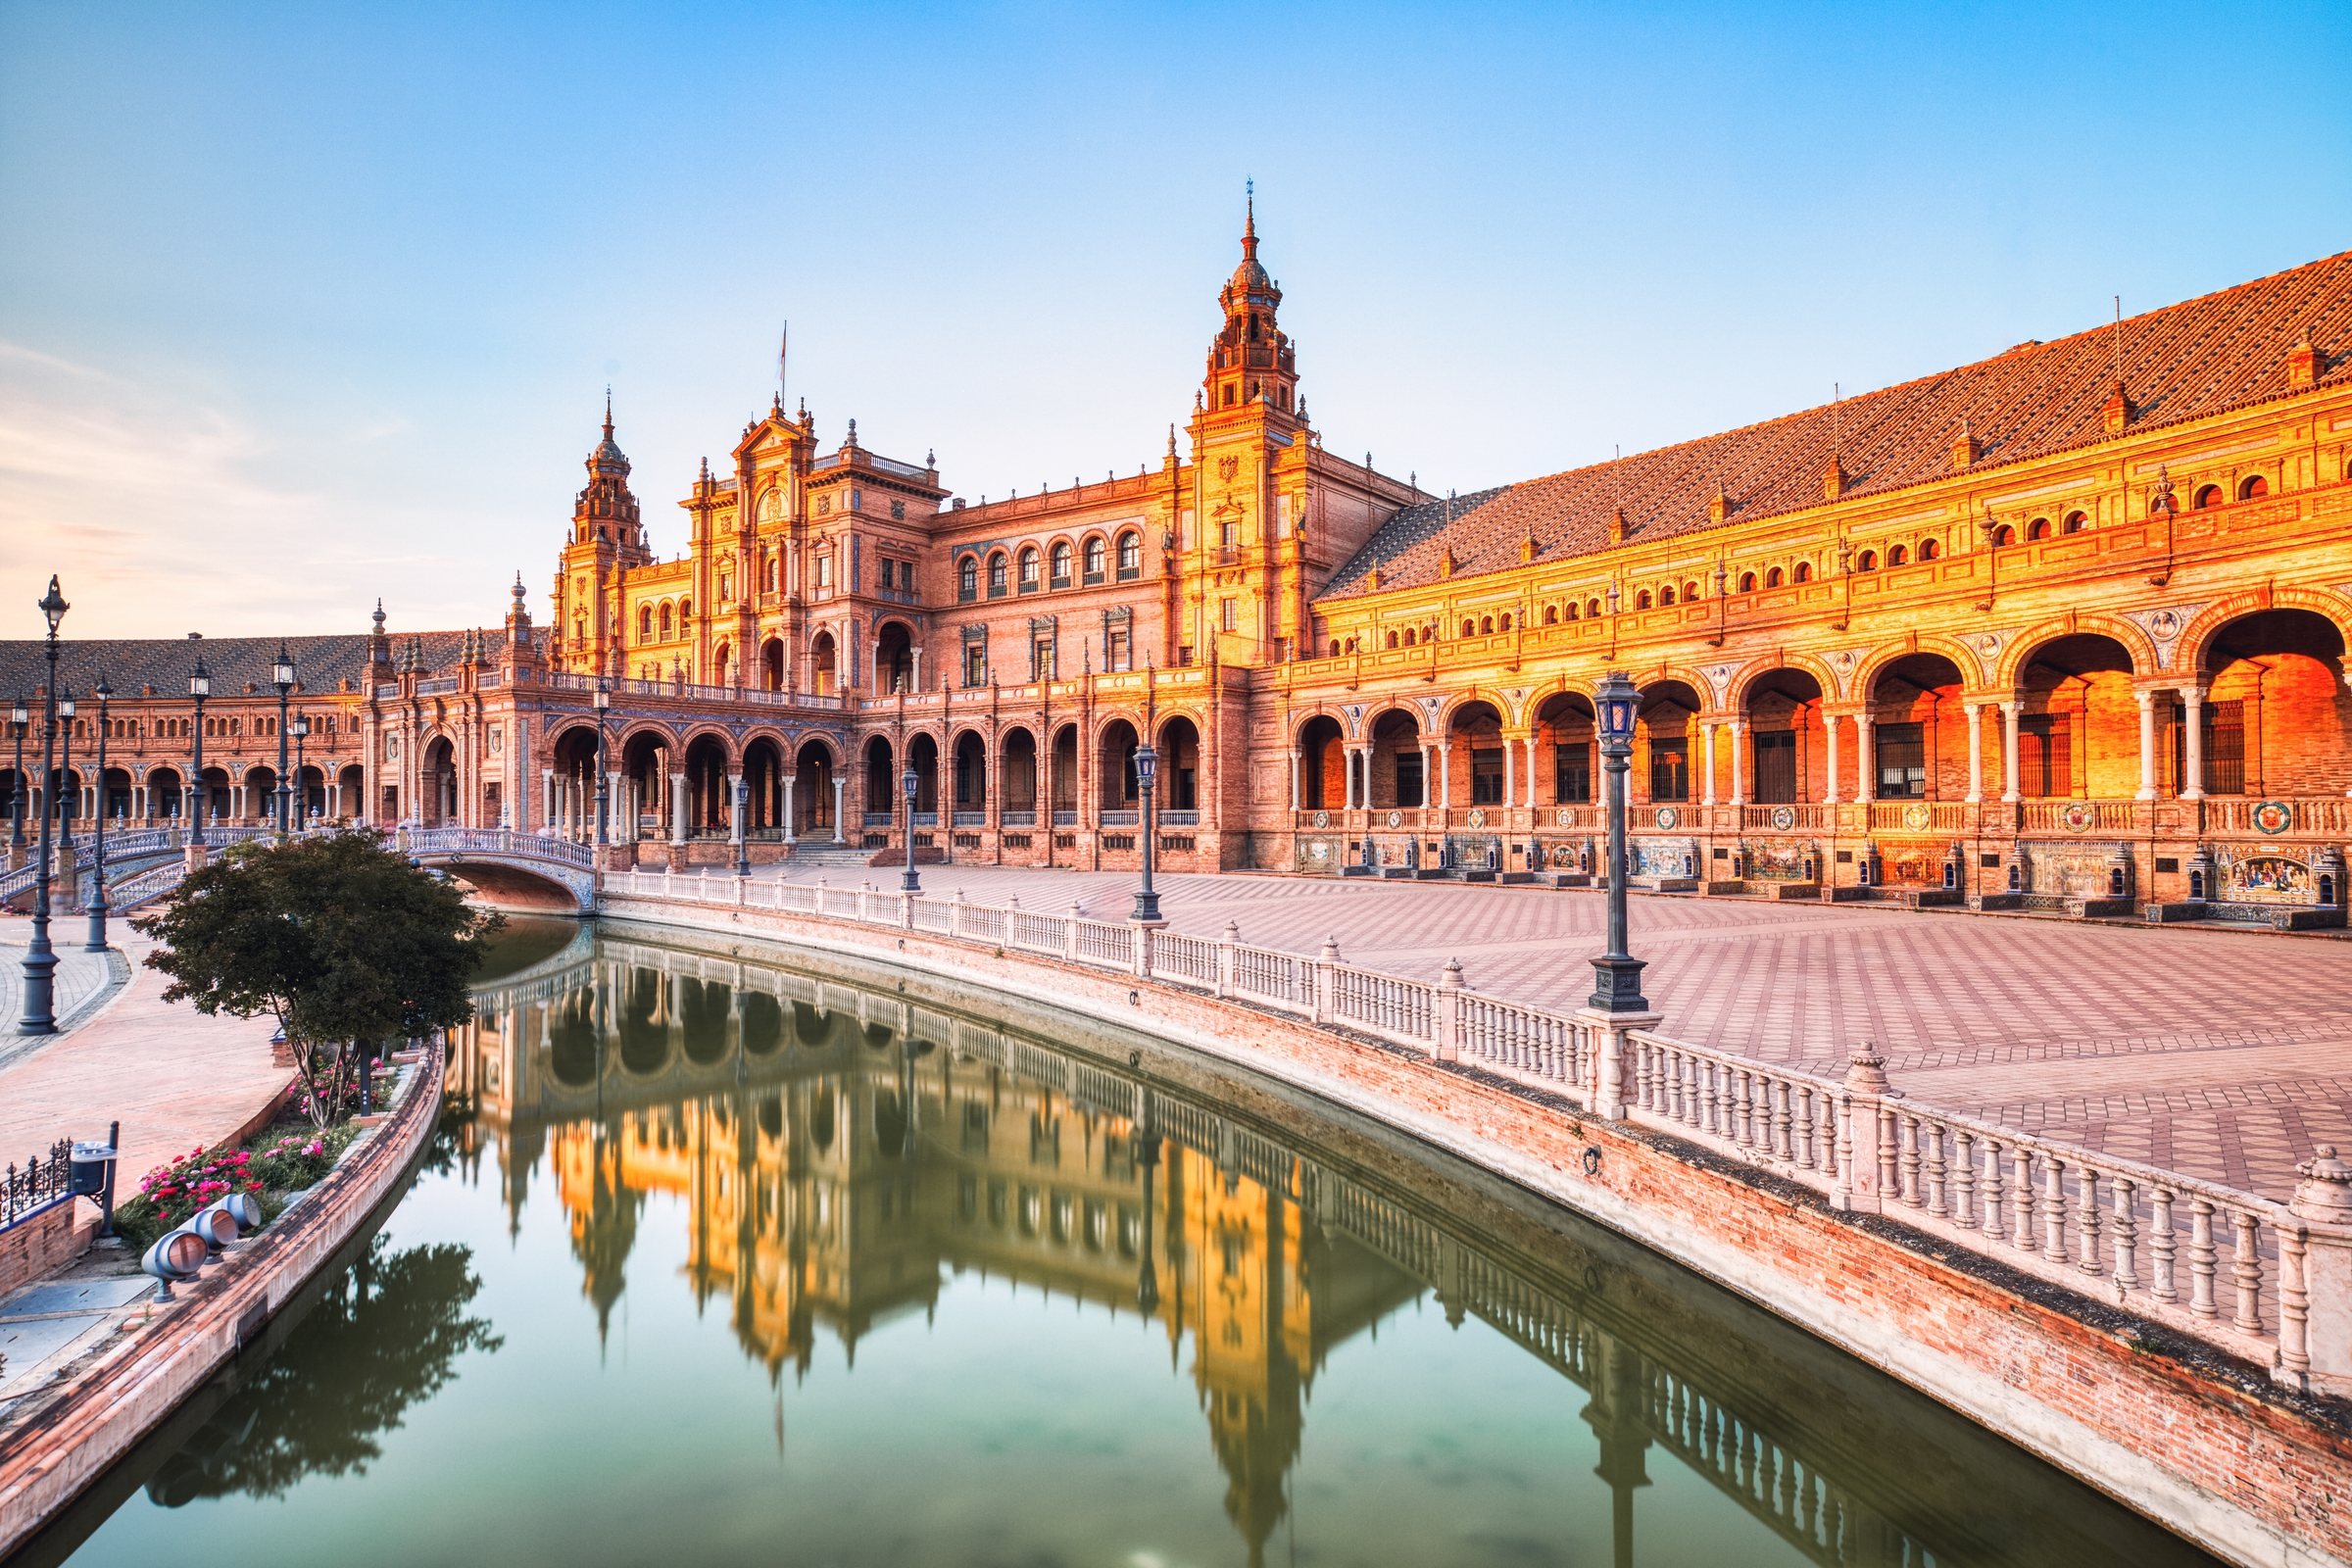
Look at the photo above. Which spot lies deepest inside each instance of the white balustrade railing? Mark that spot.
(133, 891)
(2228, 1267)
(498, 841)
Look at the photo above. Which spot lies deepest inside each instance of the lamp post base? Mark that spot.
(1146, 910)
(98, 915)
(1617, 985)
(39, 1016)
(909, 882)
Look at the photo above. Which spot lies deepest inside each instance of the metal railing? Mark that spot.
(2222, 1265)
(43, 1180)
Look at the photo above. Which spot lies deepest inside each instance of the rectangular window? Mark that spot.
(2224, 745)
(1486, 777)
(1902, 761)
(1776, 767)
(824, 571)
(975, 664)
(889, 572)
(1115, 655)
(1229, 615)
(1184, 653)
(1572, 772)
(1409, 778)
(1669, 768)
(2045, 756)
(1040, 659)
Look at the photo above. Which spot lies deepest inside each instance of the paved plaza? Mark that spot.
(2220, 1054)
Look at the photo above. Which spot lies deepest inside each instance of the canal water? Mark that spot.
(727, 1254)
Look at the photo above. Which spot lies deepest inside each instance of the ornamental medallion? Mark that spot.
(1784, 818)
(1916, 817)
(1668, 816)
(1564, 817)
(1395, 819)
(2273, 817)
(1322, 820)
(2077, 816)
(1478, 818)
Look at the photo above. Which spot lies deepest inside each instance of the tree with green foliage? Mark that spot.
(338, 937)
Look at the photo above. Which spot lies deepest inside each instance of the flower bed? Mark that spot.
(277, 1162)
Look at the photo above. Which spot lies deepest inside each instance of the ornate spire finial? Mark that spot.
(379, 617)
(608, 408)
(518, 590)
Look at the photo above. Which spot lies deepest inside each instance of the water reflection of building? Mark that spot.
(836, 1148)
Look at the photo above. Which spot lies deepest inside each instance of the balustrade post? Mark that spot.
(1964, 1180)
(2203, 1259)
(2160, 1248)
(2087, 1222)
(2053, 1209)
(1320, 980)
(2323, 1202)
(1447, 1021)
(2127, 1235)
(1225, 946)
(1843, 1195)
(1611, 1033)
(2246, 1268)
(1069, 935)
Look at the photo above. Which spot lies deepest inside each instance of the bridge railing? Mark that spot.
(133, 891)
(2224, 1265)
(498, 841)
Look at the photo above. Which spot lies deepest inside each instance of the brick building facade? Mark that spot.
(2062, 627)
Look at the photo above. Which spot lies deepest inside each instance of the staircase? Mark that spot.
(825, 854)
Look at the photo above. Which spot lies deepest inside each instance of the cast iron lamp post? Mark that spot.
(1616, 974)
(97, 938)
(1146, 769)
(282, 675)
(910, 784)
(39, 1015)
(603, 705)
(743, 827)
(200, 686)
(300, 727)
(67, 800)
(19, 718)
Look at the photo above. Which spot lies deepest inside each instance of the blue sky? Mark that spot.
(301, 305)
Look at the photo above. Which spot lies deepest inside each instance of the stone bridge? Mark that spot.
(511, 870)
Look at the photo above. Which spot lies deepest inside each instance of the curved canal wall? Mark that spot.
(66, 1437)
(2185, 1433)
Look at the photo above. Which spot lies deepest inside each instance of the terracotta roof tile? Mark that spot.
(2184, 362)
(130, 663)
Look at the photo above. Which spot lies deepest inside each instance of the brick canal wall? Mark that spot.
(79, 1426)
(2178, 1430)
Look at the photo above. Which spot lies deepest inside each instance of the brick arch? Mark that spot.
(1744, 678)
(1964, 659)
(1391, 705)
(833, 746)
(1301, 718)
(1454, 703)
(1688, 675)
(2197, 636)
(1159, 720)
(2136, 646)
(645, 726)
(1563, 685)
(1132, 716)
(717, 732)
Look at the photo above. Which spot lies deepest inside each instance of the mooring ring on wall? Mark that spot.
(1592, 1161)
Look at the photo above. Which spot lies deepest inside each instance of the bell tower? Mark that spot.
(608, 539)
(1250, 360)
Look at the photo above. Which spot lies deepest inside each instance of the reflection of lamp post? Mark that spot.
(1147, 768)
(39, 1015)
(97, 938)
(200, 686)
(908, 783)
(1147, 1281)
(603, 705)
(300, 727)
(19, 718)
(1616, 975)
(282, 675)
(743, 833)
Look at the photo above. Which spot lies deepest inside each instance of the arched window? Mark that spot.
(967, 577)
(665, 621)
(1551, 614)
(1469, 628)
(2038, 528)
(1868, 561)
(1130, 555)
(1690, 593)
(1929, 549)
(1335, 648)
(2075, 521)
(1804, 571)
(1506, 623)
(1747, 582)
(1897, 556)
(645, 624)
(1593, 608)
(2003, 537)
(2254, 488)
(1094, 560)
(1486, 626)
(1666, 595)
(1029, 560)
(1062, 564)
(996, 575)
(2209, 495)
(1408, 636)
(1772, 577)
(685, 616)
(1641, 600)
(1394, 641)
(1575, 610)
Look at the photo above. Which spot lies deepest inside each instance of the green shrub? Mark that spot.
(270, 1166)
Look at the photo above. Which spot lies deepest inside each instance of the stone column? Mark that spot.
(677, 809)
(2192, 767)
(2148, 745)
(2009, 767)
(1510, 776)
(840, 823)
(1530, 770)
(1866, 773)
(791, 836)
(1446, 774)
(547, 797)
(616, 799)
(1707, 736)
(1976, 752)
(734, 810)
(1294, 781)
(1829, 735)
(1739, 728)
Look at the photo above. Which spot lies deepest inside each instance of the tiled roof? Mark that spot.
(320, 664)
(2184, 362)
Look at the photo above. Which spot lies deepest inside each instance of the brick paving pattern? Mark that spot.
(174, 1078)
(2220, 1054)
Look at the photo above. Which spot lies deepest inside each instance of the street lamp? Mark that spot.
(97, 939)
(1146, 769)
(282, 675)
(39, 1015)
(909, 783)
(300, 726)
(603, 705)
(1617, 975)
(200, 686)
(67, 800)
(743, 827)
(19, 718)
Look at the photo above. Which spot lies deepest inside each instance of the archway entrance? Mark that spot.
(1396, 775)
(823, 660)
(2079, 733)
(1919, 733)
(571, 810)
(437, 785)
(894, 657)
(1787, 760)
(1322, 764)
(1114, 767)
(2277, 717)
(1564, 747)
(1179, 785)
(1016, 777)
(811, 802)
(1662, 761)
